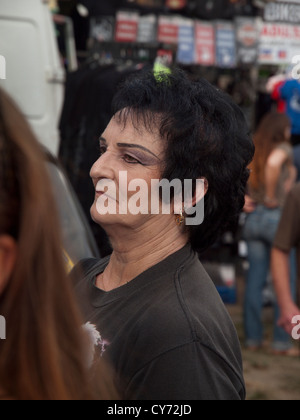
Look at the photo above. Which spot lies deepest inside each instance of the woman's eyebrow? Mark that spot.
(137, 146)
(132, 146)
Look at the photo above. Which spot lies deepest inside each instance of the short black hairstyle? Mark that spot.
(207, 136)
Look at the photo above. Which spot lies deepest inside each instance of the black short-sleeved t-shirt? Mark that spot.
(288, 234)
(166, 333)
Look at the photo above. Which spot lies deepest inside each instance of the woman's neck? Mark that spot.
(136, 252)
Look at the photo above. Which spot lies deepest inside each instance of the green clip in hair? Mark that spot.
(160, 72)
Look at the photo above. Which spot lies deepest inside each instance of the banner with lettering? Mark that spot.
(147, 32)
(225, 45)
(247, 40)
(282, 12)
(186, 42)
(279, 43)
(168, 29)
(127, 27)
(205, 44)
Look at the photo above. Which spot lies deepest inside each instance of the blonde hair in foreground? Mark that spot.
(43, 356)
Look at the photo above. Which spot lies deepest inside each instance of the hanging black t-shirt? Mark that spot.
(166, 333)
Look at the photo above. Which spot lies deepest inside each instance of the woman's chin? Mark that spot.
(108, 218)
(102, 219)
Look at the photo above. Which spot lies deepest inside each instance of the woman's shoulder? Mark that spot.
(281, 154)
(88, 264)
(285, 147)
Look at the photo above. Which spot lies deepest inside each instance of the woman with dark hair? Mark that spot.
(45, 354)
(165, 327)
(272, 177)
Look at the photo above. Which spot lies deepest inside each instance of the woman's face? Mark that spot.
(129, 160)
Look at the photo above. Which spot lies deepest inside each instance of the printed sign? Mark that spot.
(147, 29)
(205, 44)
(225, 45)
(127, 27)
(247, 40)
(279, 43)
(168, 29)
(282, 12)
(186, 42)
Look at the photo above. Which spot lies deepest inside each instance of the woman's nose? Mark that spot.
(103, 168)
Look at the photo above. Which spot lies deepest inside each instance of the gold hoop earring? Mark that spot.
(179, 218)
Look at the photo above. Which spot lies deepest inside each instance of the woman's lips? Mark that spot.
(102, 193)
(101, 186)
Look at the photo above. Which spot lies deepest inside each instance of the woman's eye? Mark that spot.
(131, 159)
(102, 150)
(127, 158)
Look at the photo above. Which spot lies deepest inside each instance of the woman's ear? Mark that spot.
(200, 192)
(193, 204)
(8, 256)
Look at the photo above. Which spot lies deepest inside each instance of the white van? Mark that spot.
(31, 73)
(30, 67)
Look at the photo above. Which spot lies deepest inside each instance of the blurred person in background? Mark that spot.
(287, 238)
(272, 177)
(45, 354)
